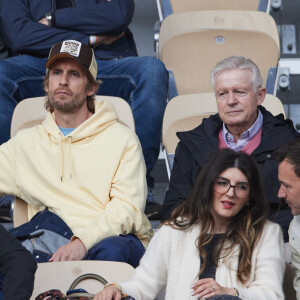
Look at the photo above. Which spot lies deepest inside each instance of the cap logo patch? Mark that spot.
(71, 47)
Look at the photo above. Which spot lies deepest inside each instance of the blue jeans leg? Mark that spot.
(143, 83)
(123, 248)
(21, 77)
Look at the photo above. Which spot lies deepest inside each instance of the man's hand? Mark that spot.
(43, 21)
(74, 250)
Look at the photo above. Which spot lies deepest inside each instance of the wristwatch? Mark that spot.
(49, 18)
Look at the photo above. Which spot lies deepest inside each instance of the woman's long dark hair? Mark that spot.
(246, 227)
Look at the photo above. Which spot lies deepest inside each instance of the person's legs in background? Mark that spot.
(143, 83)
(21, 77)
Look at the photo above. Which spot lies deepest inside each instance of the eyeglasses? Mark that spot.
(222, 186)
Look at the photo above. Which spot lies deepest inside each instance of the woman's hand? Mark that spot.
(109, 293)
(208, 288)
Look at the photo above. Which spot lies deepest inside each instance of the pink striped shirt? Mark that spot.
(248, 148)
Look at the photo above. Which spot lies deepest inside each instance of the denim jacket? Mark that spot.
(43, 235)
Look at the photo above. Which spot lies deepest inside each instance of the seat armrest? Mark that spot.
(20, 211)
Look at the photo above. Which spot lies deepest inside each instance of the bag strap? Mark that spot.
(84, 277)
(81, 295)
(87, 276)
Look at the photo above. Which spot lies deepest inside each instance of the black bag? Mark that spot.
(73, 293)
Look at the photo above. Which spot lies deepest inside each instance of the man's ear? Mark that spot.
(46, 84)
(261, 94)
(92, 90)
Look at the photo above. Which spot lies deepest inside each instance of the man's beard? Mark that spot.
(71, 105)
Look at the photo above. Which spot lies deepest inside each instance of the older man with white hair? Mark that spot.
(241, 124)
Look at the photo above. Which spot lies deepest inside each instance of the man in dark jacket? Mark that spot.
(242, 125)
(31, 27)
(17, 267)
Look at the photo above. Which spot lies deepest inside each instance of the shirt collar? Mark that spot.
(249, 133)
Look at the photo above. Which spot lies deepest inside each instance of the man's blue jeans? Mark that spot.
(141, 81)
(124, 248)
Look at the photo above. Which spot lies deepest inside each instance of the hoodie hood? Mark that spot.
(104, 116)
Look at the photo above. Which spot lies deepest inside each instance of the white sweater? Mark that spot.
(172, 261)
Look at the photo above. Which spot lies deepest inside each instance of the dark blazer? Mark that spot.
(17, 267)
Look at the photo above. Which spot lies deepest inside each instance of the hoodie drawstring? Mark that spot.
(70, 152)
(60, 157)
(61, 174)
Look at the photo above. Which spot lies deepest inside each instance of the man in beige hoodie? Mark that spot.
(81, 164)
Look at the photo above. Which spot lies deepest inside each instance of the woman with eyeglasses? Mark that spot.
(218, 244)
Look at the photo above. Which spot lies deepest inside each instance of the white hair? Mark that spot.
(239, 63)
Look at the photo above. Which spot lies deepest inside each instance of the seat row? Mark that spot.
(182, 113)
(180, 42)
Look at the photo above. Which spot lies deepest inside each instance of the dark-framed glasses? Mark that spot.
(223, 185)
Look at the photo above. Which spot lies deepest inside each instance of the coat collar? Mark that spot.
(204, 138)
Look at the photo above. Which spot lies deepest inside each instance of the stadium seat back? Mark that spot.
(196, 5)
(190, 44)
(31, 112)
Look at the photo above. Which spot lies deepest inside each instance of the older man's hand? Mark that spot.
(43, 21)
(74, 250)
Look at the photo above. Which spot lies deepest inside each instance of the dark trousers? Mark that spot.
(124, 248)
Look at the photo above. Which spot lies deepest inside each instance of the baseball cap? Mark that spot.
(81, 53)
